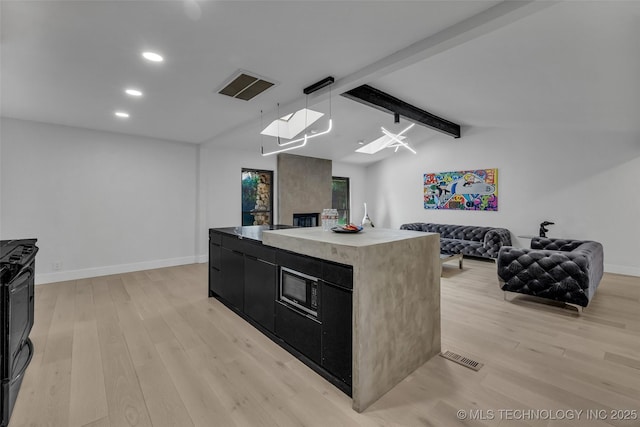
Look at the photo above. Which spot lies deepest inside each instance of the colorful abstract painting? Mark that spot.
(473, 190)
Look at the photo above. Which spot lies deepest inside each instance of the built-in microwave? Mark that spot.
(299, 290)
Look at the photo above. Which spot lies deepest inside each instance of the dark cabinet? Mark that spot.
(215, 284)
(260, 280)
(244, 275)
(328, 337)
(215, 281)
(214, 256)
(301, 263)
(299, 331)
(232, 272)
(336, 331)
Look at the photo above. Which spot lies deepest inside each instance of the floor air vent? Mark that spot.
(464, 361)
(245, 86)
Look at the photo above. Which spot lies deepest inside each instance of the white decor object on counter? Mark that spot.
(366, 221)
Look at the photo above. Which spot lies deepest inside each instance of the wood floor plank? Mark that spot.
(238, 400)
(164, 402)
(31, 389)
(124, 396)
(149, 308)
(161, 397)
(88, 395)
(199, 399)
(175, 323)
(159, 352)
(102, 422)
(55, 368)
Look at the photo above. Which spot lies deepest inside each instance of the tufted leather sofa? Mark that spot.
(562, 270)
(468, 240)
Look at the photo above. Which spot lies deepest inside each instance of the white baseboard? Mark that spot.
(62, 276)
(622, 269)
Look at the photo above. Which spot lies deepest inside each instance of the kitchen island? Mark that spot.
(396, 299)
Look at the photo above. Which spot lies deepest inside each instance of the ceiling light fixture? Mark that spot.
(122, 114)
(152, 56)
(305, 139)
(133, 92)
(376, 145)
(388, 140)
(293, 124)
(396, 141)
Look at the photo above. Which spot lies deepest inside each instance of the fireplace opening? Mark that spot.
(305, 219)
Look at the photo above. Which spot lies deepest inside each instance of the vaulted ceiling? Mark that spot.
(570, 65)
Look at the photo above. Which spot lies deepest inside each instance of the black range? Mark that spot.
(17, 279)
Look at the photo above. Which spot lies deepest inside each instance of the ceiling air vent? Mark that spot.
(245, 86)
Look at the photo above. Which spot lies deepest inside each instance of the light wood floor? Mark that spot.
(150, 349)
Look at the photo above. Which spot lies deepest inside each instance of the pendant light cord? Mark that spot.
(330, 102)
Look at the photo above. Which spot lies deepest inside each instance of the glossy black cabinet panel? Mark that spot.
(299, 331)
(338, 274)
(244, 275)
(260, 291)
(215, 262)
(257, 250)
(215, 281)
(215, 237)
(233, 243)
(301, 263)
(232, 283)
(336, 331)
(214, 256)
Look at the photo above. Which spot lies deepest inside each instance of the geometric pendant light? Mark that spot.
(291, 125)
(387, 140)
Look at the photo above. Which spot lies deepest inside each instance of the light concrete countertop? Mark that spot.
(337, 247)
(396, 299)
(366, 237)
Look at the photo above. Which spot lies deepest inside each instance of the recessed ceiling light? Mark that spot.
(133, 92)
(122, 114)
(152, 56)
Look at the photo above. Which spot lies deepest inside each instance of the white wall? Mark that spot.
(357, 188)
(220, 186)
(584, 182)
(100, 203)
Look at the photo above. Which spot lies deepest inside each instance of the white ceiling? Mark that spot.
(572, 65)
